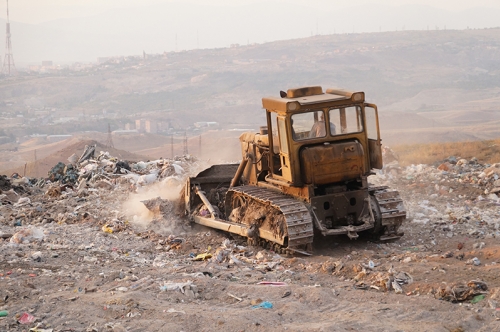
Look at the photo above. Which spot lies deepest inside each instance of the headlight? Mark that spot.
(358, 96)
(293, 106)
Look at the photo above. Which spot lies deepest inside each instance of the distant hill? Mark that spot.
(436, 85)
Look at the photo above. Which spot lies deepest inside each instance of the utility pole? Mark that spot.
(172, 146)
(199, 147)
(109, 141)
(35, 165)
(185, 143)
(8, 64)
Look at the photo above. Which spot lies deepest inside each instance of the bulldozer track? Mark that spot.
(392, 210)
(298, 218)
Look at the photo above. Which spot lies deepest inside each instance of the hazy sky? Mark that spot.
(83, 30)
(37, 11)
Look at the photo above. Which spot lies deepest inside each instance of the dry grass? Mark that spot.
(485, 152)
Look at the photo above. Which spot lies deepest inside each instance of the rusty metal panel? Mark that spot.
(334, 210)
(375, 151)
(331, 163)
(275, 104)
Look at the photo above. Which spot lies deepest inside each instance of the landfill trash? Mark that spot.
(87, 153)
(26, 318)
(133, 314)
(107, 229)
(4, 313)
(403, 278)
(160, 207)
(447, 254)
(235, 297)
(57, 172)
(182, 286)
(272, 283)
(5, 235)
(286, 294)
(202, 257)
(37, 329)
(256, 301)
(397, 287)
(263, 305)
(462, 292)
(473, 261)
(27, 235)
(370, 265)
(73, 159)
(479, 245)
(22, 201)
(172, 310)
(37, 256)
(477, 298)
(493, 304)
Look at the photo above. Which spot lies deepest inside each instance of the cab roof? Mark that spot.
(306, 96)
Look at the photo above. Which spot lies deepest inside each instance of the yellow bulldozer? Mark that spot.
(305, 174)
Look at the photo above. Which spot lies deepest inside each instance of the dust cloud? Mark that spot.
(139, 215)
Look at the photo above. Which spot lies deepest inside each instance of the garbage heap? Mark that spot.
(91, 187)
(456, 195)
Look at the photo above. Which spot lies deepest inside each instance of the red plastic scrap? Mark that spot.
(26, 318)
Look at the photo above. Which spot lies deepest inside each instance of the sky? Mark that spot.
(84, 30)
(38, 11)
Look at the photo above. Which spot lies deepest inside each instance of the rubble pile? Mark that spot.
(456, 194)
(81, 191)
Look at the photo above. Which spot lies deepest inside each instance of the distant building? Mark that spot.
(66, 119)
(47, 63)
(151, 126)
(124, 132)
(140, 125)
(103, 60)
(205, 124)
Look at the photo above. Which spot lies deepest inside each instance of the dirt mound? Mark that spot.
(42, 166)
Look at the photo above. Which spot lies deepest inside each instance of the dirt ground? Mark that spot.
(71, 273)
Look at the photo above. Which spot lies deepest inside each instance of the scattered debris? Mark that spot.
(77, 238)
(263, 305)
(26, 318)
(462, 292)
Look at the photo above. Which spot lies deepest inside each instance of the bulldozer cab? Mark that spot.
(320, 138)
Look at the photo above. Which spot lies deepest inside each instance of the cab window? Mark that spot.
(345, 120)
(282, 135)
(308, 125)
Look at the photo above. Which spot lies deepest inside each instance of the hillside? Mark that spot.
(430, 86)
(66, 149)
